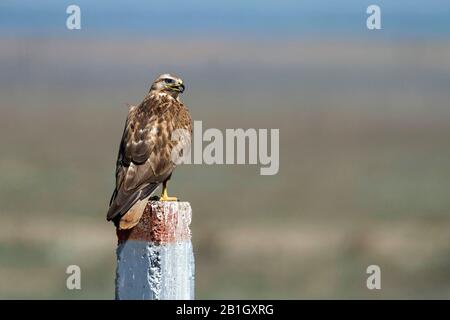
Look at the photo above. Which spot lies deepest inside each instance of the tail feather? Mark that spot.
(121, 202)
(132, 217)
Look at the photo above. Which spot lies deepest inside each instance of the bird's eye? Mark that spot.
(169, 80)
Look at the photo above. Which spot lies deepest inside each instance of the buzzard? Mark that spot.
(148, 151)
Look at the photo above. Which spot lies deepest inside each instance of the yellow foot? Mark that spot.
(164, 195)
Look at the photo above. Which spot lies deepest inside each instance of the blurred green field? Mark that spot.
(364, 165)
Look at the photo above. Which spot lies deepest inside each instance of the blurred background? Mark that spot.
(364, 119)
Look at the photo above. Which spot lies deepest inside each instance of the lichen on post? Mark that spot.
(155, 259)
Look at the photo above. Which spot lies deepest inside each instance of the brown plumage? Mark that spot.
(147, 156)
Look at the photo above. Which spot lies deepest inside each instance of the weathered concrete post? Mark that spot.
(155, 259)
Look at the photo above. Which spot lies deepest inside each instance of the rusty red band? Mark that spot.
(161, 222)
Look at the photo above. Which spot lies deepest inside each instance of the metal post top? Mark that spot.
(162, 222)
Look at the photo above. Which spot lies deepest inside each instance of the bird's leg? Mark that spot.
(164, 195)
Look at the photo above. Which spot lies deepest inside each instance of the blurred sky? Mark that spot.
(286, 18)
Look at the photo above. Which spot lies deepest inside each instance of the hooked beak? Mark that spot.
(179, 87)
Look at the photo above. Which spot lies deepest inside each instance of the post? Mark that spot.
(155, 260)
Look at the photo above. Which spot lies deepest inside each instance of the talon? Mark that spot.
(167, 198)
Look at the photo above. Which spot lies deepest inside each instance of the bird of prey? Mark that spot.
(147, 150)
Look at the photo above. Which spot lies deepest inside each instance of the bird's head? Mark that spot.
(169, 84)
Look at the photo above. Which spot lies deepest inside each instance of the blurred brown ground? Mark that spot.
(364, 165)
